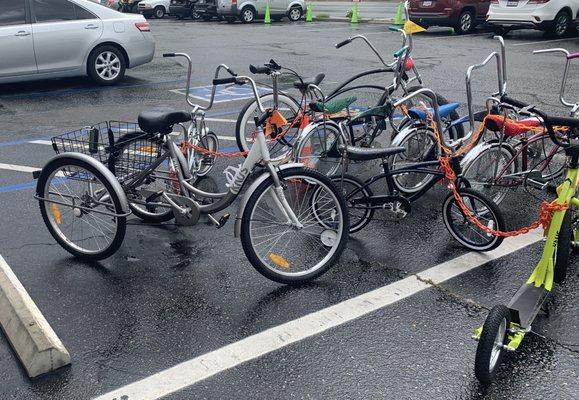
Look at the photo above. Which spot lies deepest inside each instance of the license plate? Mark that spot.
(512, 3)
(426, 3)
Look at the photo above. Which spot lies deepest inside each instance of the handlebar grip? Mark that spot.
(549, 126)
(343, 43)
(231, 72)
(399, 52)
(259, 70)
(573, 56)
(513, 102)
(393, 28)
(224, 81)
(168, 54)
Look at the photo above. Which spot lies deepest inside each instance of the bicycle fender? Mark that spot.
(473, 153)
(307, 131)
(258, 181)
(100, 167)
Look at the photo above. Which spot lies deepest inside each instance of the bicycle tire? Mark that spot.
(488, 354)
(67, 243)
(562, 250)
(247, 113)
(487, 206)
(356, 223)
(116, 153)
(499, 194)
(339, 242)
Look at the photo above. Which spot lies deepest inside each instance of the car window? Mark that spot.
(13, 12)
(53, 10)
(81, 13)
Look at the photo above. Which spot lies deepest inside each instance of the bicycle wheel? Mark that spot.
(319, 148)
(352, 188)
(562, 249)
(488, 173)
(245, 127)
(122, 162)
(80, 208)
(490, 350)
(464, 231)
(204, 161)
(420, 145)
(548, 158)
(282, 252)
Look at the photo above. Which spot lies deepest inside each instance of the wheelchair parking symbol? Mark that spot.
(223, 93)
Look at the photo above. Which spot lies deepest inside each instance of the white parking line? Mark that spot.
(19, 168)
(544, 41)
(197, 369)
(221, 120)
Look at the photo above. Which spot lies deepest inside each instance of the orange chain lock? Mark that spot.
(546, 210)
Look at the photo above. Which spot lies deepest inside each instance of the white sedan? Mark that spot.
(63, 38)
(556, 17)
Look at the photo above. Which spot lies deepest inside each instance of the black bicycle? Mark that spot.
(362, 202)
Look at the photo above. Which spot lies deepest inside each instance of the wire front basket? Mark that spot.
(121, 146)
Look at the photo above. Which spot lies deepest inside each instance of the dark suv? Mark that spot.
(195, 9)
(462, 15)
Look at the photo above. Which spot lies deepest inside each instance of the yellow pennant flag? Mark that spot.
(410, 27)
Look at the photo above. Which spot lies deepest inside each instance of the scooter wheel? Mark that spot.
(490, 350)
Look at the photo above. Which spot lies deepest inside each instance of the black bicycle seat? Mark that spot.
(315, 80)
(161, 122)
(365, 153)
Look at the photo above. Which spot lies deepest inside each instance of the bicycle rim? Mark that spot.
(278, 149)
(480, 173)
(465, 231)
(320, 150)
(420, 146)
(74, 194)
(293, 252)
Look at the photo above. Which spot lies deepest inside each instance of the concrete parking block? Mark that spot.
(31, 337)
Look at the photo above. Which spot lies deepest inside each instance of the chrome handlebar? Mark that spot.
(565, 75)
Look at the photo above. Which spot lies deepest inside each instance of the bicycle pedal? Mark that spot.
(36, 174)
(222, 221)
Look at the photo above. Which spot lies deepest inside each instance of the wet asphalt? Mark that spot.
(173, 293)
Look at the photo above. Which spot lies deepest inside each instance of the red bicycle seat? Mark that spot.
(512, 128)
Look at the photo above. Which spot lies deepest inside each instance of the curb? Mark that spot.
(31, 337)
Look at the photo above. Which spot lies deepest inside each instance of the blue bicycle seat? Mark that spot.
(421, 114)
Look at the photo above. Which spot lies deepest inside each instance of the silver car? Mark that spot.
(248, 10)
(42, 39)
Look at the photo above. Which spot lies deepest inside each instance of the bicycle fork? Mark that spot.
(277, 193)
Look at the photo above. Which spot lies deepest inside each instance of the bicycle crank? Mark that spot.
(185, 210)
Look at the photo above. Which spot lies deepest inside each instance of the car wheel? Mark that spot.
(247, 15)
(294, 14)
(561, 25)
(465, 22)
(195, 15)
(106, 65)
(159, 12)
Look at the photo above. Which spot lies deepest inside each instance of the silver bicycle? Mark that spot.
(292, 221)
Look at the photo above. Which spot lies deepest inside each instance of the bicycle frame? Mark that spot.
(426, 167)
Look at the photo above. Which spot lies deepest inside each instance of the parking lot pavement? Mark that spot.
(171, 294)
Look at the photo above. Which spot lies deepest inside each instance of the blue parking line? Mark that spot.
(17, 187)
(86, 89)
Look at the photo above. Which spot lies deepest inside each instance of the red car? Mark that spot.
(462, 15)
